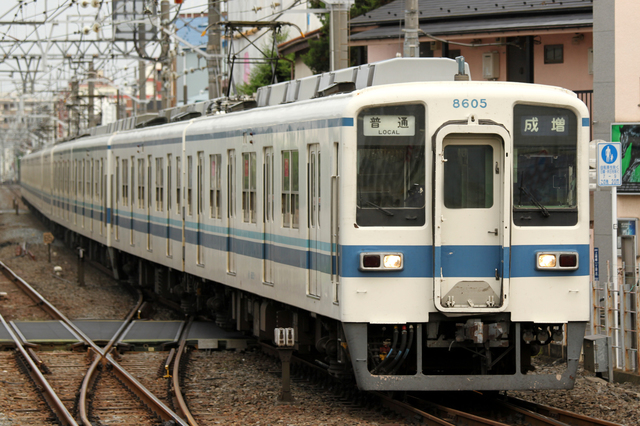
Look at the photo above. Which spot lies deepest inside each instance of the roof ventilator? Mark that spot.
(156, 121)
(185, 116)
(335, 88)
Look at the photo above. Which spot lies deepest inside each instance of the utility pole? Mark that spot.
(91, 87)
(142, 70)
(213, 48)
(411, 40)
(75, 108)
(339, 32)
(166, 61)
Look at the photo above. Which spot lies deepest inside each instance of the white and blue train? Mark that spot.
(418, 231)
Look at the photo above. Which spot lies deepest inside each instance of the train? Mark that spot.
(416, 229)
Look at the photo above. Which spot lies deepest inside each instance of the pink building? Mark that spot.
(505, 40)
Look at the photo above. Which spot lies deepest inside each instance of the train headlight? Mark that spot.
(567, 261)
(381, 262)
(546, 260)
(392, 261)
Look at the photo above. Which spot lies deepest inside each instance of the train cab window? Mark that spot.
(391, 166)
(468, 176)
(544, 166)
(290, 190)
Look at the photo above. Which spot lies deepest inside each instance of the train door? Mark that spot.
(335, 240)
(313, 209)
(115, 193)
(269, 220)
(148, 200)
(231, 210)
(470, 222)
(103, 198)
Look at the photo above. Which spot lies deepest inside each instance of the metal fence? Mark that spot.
(615, 311)
(586, 96)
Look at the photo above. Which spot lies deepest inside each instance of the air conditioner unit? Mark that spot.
(491, 65)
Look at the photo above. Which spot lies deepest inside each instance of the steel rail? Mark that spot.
(145, 395)
(182, 406)
(566, 417)
(90, 376)
(50, 396)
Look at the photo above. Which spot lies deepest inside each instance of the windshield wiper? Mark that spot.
(385, 211)
(535, 201)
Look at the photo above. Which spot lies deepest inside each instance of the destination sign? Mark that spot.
(544, 125)
(389, 125)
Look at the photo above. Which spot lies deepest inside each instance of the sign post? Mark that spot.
(609, 164)
(47, 239)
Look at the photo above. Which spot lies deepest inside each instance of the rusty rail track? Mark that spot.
(512, 411)
(177, 391)
(53, 401)
(101, 355)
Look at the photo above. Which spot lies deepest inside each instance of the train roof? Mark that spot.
(397, 70)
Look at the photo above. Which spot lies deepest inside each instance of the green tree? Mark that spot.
(318, 57)
(261, 73)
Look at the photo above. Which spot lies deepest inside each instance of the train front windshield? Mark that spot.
(391, 166)
(544, 168)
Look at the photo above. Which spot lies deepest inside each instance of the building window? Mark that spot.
(553, 54)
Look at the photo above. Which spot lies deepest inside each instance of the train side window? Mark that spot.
(189, 185)
(249, 187)
(468, 176)
(149, 180)
(214, 185)
(290, 190)
(178, 184)
(140, 183)
(159, 184)
(89, 193)
(125, 182)
(96, 181)
(168, 182)
(200, 183)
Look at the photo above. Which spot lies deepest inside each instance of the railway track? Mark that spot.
(463, 408)
(104, 383)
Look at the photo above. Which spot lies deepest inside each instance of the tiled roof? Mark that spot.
(483, 25)
(441, 10)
